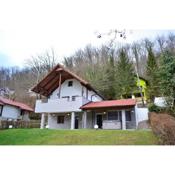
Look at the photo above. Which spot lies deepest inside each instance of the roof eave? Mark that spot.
(105, 107)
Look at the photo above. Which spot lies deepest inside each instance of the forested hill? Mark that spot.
(110, 70)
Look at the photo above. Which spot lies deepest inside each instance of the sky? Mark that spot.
(29, 27)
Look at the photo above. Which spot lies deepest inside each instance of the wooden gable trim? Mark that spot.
(49, 82)
(60, 85)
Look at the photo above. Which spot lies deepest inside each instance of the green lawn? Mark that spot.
(76, 137)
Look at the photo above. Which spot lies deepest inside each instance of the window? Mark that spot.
(70, 83)
(128, 115)
(113, 115)
(22, 112)
(73, 98)
(66, 97)
(60, 119)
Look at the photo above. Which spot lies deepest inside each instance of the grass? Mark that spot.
(76, 137)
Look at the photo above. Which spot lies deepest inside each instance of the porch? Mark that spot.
(71, 120)
(105, 119)
(113, 114)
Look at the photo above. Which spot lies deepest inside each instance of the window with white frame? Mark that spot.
(114, 115)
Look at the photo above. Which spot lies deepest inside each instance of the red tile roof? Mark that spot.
(15, 103)
(110, 103)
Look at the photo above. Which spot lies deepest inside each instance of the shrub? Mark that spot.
(163, 125)
(153, 108)
(34, 116)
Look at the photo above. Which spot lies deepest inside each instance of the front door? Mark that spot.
(99, 120)
(76, 122)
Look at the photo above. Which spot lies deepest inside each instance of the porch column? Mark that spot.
(73, 120)
(84, 119)
(48, 120)
(42, 121)
(136, 117)
(123, 120)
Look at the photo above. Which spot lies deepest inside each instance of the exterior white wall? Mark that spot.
(74, 90)
(93, 97)
(60, 105)
(112, 124)
(10, 112)
(52, 121)
(141, 114)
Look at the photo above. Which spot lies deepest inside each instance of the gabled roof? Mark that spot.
(110, 104)
(4, 101)
(51, 81)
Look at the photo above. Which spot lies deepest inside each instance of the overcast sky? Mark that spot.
(29, 27)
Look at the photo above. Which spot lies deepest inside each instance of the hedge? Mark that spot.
(163, 125)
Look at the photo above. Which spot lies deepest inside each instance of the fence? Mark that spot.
(5, 124)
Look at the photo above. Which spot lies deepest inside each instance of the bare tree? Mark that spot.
(161, 43)
(41, 64)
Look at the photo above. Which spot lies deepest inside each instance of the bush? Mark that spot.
(153, 108)
(163, 125)
(34, 116)
(168, 110)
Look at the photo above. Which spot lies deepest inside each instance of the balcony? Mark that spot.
(60, 105)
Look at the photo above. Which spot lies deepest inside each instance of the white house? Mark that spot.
(10, 109)
(72, 103)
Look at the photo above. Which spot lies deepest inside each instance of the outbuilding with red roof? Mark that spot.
(10, 109)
